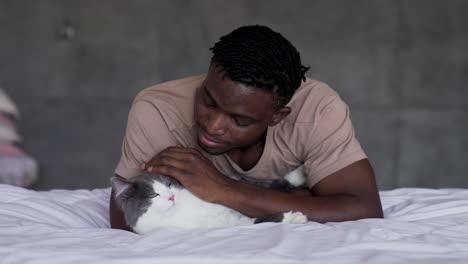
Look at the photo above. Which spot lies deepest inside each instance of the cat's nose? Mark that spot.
(171, 198)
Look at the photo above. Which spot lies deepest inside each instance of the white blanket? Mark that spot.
(71, 226)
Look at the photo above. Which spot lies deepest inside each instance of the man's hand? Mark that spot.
(193, 170)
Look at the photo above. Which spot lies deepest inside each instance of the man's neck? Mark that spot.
(247, 158)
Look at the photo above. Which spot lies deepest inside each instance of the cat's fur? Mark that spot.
(176, 206)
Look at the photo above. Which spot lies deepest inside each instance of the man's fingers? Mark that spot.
(182, 150)
(167, 160)
(179, 154)
(177, 173)
(163, 155)
(176, 153)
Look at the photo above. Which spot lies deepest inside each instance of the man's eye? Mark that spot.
(153, 195)
(241, 122)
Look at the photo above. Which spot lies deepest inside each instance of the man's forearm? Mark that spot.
(116, 216)
(255, 201)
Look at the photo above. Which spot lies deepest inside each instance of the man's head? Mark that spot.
(254, 72)
(261, 58)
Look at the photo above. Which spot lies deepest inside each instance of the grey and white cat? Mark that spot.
(152, 200)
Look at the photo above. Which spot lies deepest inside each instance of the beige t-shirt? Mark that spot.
(317, 133)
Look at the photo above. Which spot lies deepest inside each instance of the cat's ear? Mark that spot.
(120, 185)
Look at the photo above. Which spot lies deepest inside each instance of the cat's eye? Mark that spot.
(153, 195)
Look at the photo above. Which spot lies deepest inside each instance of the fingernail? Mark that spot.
(150, 169)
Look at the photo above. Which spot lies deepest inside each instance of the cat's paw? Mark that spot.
(294, 218)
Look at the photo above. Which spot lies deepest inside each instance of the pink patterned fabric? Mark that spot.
(8, 149)
(6, 121)
(16, 167)
(8, 129)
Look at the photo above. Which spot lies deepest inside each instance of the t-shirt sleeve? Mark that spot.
(331, 145)
(146, 135)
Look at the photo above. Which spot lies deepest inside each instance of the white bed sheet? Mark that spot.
(71, 226)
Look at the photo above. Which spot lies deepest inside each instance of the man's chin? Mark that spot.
(212, 150)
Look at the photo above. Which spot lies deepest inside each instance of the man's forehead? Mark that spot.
(239, 98)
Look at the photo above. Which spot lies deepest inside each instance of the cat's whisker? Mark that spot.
(133, 219)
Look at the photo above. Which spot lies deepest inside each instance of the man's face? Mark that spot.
(230, 115)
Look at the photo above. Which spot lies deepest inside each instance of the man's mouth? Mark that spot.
(208, 141)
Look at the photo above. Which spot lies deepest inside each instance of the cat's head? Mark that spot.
(136, 195)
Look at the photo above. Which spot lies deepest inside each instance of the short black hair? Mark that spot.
(262, 58)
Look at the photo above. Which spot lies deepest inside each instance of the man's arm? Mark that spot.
(117, 219)
(348, 194)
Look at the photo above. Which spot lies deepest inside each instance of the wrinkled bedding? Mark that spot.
(71, 226)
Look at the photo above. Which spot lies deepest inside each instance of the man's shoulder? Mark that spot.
(310, 101)
(170, 89)
(315, 108)
(173, 99)
(314, 85)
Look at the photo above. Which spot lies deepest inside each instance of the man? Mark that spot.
(253, 116)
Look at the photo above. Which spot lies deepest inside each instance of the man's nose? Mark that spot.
(216, 124)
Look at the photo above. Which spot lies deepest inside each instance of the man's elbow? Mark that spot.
(371, 210)
(362, 208)
(375, 213)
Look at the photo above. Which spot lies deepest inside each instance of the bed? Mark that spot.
(71, 226)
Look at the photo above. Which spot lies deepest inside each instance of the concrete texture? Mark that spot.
(77, 142)
(377, 131)
(73, 67)
(435, 145)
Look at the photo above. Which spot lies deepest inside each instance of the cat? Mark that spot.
(151, 200)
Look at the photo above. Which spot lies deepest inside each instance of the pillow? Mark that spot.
(18, 170)
(8, 134)
(6, 105)
(8, 149)
(7, 130)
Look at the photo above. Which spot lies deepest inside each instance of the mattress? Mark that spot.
(72, 226)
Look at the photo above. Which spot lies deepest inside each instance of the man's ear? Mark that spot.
(279, 115)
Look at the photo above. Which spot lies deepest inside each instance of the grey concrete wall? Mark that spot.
(402, 66)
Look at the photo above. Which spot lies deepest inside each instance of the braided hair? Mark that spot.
(262, 58)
